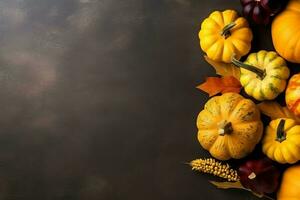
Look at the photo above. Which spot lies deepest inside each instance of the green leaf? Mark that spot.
(237, 185)
(228, 185)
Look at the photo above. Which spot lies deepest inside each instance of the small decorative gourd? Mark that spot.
(229, 126)
(290, 184)
(286, 32)
(263, 74)
(281, 141)
(223, 34)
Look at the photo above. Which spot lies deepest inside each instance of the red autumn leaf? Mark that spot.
(215, 85)
(231, 84)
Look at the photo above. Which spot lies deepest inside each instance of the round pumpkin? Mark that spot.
(286, 32)
(290, 184)
(229, 126)
(281, 141)
(224, 34)
(292, 95)
(263, 74)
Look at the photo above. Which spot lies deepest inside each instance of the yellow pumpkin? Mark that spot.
(263, 74)
(286, 32)
(292, 95)
(224, 34)
(281, 142)
(229, 126)
(290, 184)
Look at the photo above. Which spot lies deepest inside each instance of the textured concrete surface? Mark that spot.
(98, 99)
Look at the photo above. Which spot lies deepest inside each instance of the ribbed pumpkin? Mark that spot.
(286, 32)
(263, 74)
(229, 126)
(292, 95)
(281, 141)
(290, 184)
(223, 34)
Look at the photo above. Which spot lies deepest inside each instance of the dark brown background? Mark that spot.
(98, 99)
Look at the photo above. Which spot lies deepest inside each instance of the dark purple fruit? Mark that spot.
(273, 6)
(260, 11)
(259, 15)
(260, 176)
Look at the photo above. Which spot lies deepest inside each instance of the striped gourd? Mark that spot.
(292, 96)
(263, 74)
(229, 126)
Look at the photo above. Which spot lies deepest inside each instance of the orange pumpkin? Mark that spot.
(290, 184)
(286, 32)
(292, 95)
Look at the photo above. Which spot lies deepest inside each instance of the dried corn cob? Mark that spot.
(211, 166)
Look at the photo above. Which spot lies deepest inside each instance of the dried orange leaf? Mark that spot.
(274, 110)
(215, 85)
(224, 69)
(212, 86)
(231, 84)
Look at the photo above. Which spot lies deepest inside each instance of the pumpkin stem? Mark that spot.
(280, 131)
(252, 176)
(259, 72)
(226, 30)
(225, 128)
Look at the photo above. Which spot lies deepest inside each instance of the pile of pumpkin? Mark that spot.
(230, 125)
